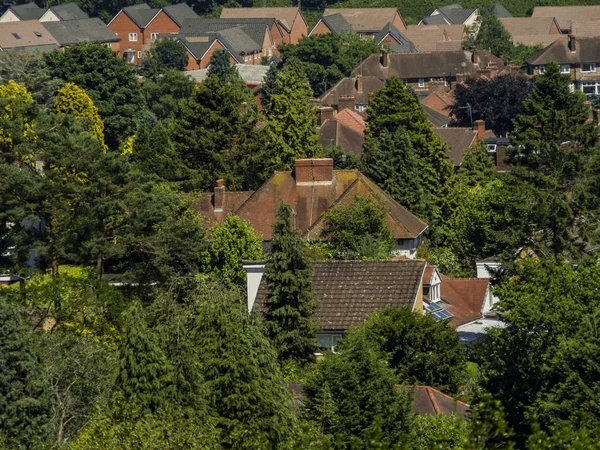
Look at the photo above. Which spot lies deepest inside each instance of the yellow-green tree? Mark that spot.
(14, 107)
(71, 99)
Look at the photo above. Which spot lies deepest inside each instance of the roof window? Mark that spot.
(16, 36)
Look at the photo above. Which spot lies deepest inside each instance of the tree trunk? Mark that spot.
(100, 265)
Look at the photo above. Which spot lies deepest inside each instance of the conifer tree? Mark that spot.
(291, 120)
(289, 305)
(220, 65)
(71, 99)
(143, 383)
(25, 402)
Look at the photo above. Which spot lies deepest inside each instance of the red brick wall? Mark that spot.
(122, 25)
(397, 22)
(192, 63)
(390, 40)
(163, 24)
(554, 29)
(321, 28)
(206, 60)
(299, 29)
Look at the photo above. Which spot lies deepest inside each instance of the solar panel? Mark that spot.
(432, 307)
(442, 314)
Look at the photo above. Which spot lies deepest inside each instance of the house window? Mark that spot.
(130, 57)
(421, 82)
(328, 341)
(541, 69)
(132, 37)
(153, 35)
(139, 55)
(565, 68)
(588, 67)
(590, 88)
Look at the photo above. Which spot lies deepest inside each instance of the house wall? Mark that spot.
(299, 29)
(205, 61)
(192, 62)
(279, 35)
(575, 74)
(554, 29)
(269, 45)
(389, 40)
(161, 24)
(472, 19)
(320, 28)
(418, 306)
(122, 25)
(9, 16)
(428, 83)
(397, 22)
(49, 16)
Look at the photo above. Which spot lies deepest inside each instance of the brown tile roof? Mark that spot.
(436, 118)
(588, 28)
(502, 160)
(539, 39)
(352, 120)
(439, 102)
(25, 33)
(522, 26)
(587, 49)
(466, 297)
(346, 292)
(431, 38)
(565, 15)
(285, 15)
(333, 132)
(416, 65)
(458, 139)
(359, 89)
(309, 201)
(370, 20)
(430, 401)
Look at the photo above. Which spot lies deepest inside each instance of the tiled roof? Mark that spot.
(72, 32)
(141, 14)
(25, 33)
(179, 12)
(252, 74)
(539, 39)
(466, 297)
(430, 401)
(565, 15)
(28, 11)
(254, 28)
(458, 139)
(398, 36)
(68, 11)
(427, 37)
(587, 49)
(439, 102)
(416, 65)
(438, 19)
(239, 41)
(285, 15)
(309, 202)
(346, 292)
(337, 24)
(359, 89)
(522, 26)
(437, 119)
(369, 20)
(347, 130)
(501, 11)
(587, 28)
(352, 120)
(455, 13)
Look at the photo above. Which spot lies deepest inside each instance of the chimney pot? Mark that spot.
(311, 172)
(479, 126)
(385, 58)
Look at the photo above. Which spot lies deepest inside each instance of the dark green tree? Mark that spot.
(108, 80)
(269, 86)
(352, 392)
(220, 65)
(489, 429)
(25, 398)
(289, 305)
(419, 349)
(357, 230)
(489, 33)
(391, 162)
(164, 92)
(163, 55)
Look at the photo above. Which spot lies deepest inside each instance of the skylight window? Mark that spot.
(16, 36)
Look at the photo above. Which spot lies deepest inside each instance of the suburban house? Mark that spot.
(366, 22)
(138, 26)
(359, 88)
(290, 22)
(246, 40)
(78, 31)
(29, 35)
(462, 139)
(570, 18)
(438, 104)
(334, 24)
(310, 189)
(427, 72)
(466, 302)
(578, 58)
(451, 14)
(435, 38)
(30, 11)
(428, 401)
(345, 129)
(346, 292)
(395, 40)
(531, 30)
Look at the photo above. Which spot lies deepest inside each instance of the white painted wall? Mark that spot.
(49, 16)
(9, 16)
(482, 268)
(254, 274)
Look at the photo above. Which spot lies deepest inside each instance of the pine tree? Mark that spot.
(143, 383)
(391, 162)
(25, 402)
(291, 120)
(220, 65)
(289, 305)
(71, 99)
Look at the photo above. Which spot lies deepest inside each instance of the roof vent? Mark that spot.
(37, 33)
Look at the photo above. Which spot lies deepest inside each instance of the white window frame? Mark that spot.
(565, 66)
(133, 37)
(421, 82)
(541, 69)
(154, 35)
(139, 55)
(591, 84)
(130, 57)
(592, 67)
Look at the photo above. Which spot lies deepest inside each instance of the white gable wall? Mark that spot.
(49, 16)
(9, 16)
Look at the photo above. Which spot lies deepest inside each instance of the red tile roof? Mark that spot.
(352, 120)
(430, 401)
(466, 297)
(439, 102)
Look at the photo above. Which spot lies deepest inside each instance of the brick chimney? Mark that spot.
(572, 43)
(219, 195)
(314, 172)
(479, 126)
(325, 113)
(359, 84)
(384, 58)
(346, 102)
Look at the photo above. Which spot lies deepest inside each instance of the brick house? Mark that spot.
(570, 18)
(452, 14)
(462, 139)
(366, 22)
(578, 57)
(290, 22)
(138, 26)
(358, 88)
(311, 189)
